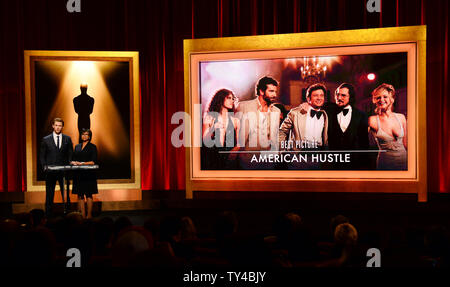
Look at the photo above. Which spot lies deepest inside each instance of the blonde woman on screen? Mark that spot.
(389, 130)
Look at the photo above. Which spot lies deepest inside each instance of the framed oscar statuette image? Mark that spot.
(87, 89)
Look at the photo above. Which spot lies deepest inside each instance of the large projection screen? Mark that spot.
(364, 58)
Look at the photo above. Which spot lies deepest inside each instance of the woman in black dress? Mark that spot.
(221, 128)
(85, 181)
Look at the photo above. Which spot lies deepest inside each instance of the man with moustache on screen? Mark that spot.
(306, 129)
(348, 129)
(56, 149)
(259, 122)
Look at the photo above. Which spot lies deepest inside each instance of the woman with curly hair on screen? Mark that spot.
(220, 130)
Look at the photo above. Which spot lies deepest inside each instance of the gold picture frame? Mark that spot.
(130, 60)
(410, 40)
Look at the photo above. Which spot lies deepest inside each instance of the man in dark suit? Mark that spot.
(348, 128)
(56, 149)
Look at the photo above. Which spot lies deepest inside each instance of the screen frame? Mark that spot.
(30, 57)
(267, 46)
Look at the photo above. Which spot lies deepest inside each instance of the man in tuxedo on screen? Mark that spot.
(259, 123)
(306, 126)
(348, 129)
(56, 149)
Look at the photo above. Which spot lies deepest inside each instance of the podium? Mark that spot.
(68, 171)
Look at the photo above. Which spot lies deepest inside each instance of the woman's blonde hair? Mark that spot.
(389, 88)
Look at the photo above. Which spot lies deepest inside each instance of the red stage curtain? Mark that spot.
(157, 28)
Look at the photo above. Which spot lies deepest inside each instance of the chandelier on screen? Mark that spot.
(313, 70)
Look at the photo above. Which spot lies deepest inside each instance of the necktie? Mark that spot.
(57, 142)
(318, 114)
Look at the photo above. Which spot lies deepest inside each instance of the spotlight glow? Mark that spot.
(371, 76)
(109, 132)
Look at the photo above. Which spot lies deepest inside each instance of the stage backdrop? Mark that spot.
(156, 30)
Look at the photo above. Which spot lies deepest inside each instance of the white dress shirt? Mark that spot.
(56, 139)
(264, 124)
(314, 127)
(344, 121)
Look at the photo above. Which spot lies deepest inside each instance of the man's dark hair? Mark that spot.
(315, 87)
(263, 82)
(351, 92)
(58, 120)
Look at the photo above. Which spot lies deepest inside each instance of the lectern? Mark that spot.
(69, 171)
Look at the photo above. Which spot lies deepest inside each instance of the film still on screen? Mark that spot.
(344, 112)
